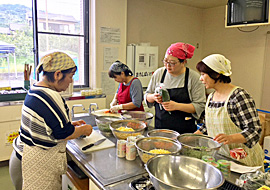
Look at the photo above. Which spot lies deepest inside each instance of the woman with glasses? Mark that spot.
(187, 94)
(129, 95)
(231, 117)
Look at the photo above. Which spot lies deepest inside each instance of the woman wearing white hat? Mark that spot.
(39, 156)
(231, 117)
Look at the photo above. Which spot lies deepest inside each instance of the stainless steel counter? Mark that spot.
(104, 168)
(109, 172)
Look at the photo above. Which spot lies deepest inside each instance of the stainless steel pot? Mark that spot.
(168, 172)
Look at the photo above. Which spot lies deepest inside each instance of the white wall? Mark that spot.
(244, 49)
(110, 13)
(162, 24)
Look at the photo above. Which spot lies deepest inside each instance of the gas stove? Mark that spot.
(144, 183)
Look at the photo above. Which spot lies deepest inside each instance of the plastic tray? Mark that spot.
(13, 97)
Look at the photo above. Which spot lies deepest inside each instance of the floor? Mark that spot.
(5, 181)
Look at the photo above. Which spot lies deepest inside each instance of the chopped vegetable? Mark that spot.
(124, 129)
(159, 151)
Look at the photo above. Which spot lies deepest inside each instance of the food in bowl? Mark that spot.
(149, 147)
(123, 128)
(103, 123)
(146, 117)
(196, 146)
(159, 151)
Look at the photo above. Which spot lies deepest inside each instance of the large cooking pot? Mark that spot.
(168, 172)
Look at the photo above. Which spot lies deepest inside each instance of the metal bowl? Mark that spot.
(137, 126)
(194, 145)
(163, 133)
(138, 115)
(144, 145)
(169, 172)
(103, 123)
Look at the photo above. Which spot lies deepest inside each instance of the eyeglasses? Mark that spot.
(171, 63)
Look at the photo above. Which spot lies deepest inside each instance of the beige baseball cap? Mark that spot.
(55, 61)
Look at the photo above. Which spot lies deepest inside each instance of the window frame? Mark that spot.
(85, 36)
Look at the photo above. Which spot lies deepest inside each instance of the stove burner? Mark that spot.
(144, 183)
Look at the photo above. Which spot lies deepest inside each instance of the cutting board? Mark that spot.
(95, 136)
(101, 113)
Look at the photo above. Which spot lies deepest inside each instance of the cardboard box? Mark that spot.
(265, 122)
(266, 147)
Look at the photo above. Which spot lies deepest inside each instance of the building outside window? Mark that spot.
(29, 28)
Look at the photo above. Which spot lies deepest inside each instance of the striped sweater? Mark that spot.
(45, 120)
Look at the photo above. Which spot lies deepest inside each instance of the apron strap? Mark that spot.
(163, 76)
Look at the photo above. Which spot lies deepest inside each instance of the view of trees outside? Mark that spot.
(55, 17)
(14, 30)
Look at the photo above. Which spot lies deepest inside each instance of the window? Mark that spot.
(29, 32)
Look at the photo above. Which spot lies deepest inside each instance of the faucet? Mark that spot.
(76, 105)
(92, 109)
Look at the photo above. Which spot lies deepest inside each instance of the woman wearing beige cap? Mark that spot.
(231, 117)
(40, 149)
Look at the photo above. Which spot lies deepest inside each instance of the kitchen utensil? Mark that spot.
(103, 112)
(103, 123)
(93, 144)
(195, 145)
(137, 126)
(138, 115)
(27, 72)
(95, 136)
(144, 145)
(163, 133)
(170, 172)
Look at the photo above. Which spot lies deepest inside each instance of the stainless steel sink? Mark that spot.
(88, 118)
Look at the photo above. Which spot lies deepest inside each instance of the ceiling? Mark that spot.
(204, 4)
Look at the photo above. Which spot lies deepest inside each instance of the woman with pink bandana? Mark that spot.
(187, 94)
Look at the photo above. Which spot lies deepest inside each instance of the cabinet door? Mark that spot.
(92, 185)
(7, 132)
(67, 184)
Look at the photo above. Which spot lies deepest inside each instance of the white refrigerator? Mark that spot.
(143, 61)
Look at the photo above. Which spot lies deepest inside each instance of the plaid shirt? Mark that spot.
(242, 111)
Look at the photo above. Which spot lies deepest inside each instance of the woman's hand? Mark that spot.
(77, 123)
(157, 98)
(169, 106)
(87, 129)
(223, 138)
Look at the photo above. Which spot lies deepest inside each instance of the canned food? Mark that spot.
(215, 164)
(225, 167)
(208, 158)
(130, 151)
(121, 148)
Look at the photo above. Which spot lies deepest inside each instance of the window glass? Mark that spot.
(61, 27)
(16, 41)
(74, 46)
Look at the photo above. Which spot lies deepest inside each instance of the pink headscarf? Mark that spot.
(181, 50)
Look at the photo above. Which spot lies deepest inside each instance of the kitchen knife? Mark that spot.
(93, 144)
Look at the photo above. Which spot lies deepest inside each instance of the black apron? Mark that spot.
(179, 121)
